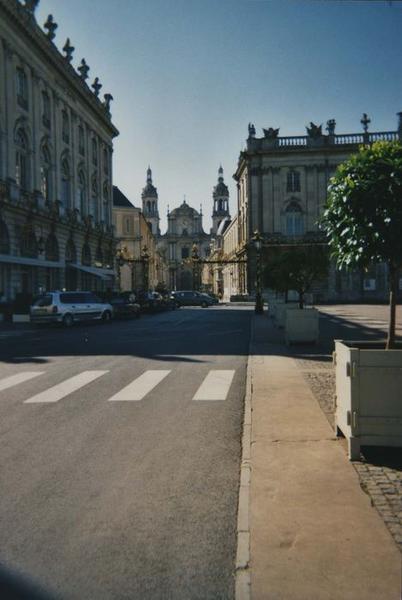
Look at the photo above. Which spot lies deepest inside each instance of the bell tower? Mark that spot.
(149, 198)
(220, 197)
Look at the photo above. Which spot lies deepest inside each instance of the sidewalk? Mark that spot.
(307, 531)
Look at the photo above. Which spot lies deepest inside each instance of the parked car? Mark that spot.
(125, 305)
(213, 297)
(150, 302)
(191, 298)
(69, 307)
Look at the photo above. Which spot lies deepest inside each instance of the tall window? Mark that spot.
(105, 162)
(86, 257)
(65, 127)
(4, 239)
(94, 152)
(294, 219)
(45, 173)
(82, 195)
(293, 181)
(94, 197)
(22, 88)
(21, 159)
(185, 252)
(51, 248)
(127, 225)
(65, 184)
(46, 109)
(81, 145)
(105, 194)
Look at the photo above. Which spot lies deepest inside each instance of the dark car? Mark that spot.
(191, 298)
(125, 305)
(150, 302)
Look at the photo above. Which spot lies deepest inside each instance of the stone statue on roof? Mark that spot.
(314, 131)
(271, 133)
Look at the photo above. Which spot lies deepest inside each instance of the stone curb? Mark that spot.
(242, 569)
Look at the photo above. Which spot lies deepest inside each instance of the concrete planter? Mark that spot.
(301, 326)
(21, 318)
(280, 312)
(368, 395)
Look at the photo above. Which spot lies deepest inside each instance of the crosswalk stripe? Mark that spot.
(215, 386)
(57, 392)
(140, 387)
(12, 380)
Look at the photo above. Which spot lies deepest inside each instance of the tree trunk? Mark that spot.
(393, 287)
(301, 299)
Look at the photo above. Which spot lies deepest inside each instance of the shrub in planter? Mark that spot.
(297, 268)
(363, 220)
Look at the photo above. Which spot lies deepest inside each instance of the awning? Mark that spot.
(102, 273)
(32, 262)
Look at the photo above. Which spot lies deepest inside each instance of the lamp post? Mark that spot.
(195, 260)
(259, 304)
(145, 267)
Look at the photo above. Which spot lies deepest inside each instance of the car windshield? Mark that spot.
(44, 300)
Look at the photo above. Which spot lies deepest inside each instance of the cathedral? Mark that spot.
(184, 230)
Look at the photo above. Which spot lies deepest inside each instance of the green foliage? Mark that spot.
(363, 216)
(296, 268)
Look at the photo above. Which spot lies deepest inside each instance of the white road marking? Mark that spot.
(140, 387)
(215, 386)
(57, 392)
(8, 382)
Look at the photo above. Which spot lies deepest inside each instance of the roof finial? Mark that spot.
(168, 210)
(220, 174)
(184, 199)
(149, 174)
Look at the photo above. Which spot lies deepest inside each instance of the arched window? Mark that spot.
(293, 181)
(65, 127)
(4, 239)
(71, 252)
(86, 257)
(294, 219)
(94, 152)
(21, 159)
(82, 194)
(81, 144)
(52, 248)
(22, 88)
(29, 244)
(65, 183)
(148, 206)
(46, 110)
(99, 257)
(45, 173)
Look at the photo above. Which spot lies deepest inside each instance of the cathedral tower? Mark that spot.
(221, 203)
(149, 198)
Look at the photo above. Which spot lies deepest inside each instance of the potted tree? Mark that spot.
(363, 220)
(298, 268)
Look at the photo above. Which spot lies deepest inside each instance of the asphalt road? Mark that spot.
(134, 497)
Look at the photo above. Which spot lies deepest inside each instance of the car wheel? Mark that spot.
(68, 320)
(178, 305)
(204, 304)
(106, 316)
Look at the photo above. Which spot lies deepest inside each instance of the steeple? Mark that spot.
(220, 197)
(149, 198)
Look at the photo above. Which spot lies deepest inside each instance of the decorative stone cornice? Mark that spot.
(22, 18)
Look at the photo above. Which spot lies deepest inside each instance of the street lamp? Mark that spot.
(195, 260)
(259, 303)
(145, 267)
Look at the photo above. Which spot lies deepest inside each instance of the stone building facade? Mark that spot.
(56, 144)
(142, 265)
(281, 191)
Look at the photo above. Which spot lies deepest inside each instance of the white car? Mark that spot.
(69, 307)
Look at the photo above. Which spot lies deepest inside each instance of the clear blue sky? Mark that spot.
(187, 76)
